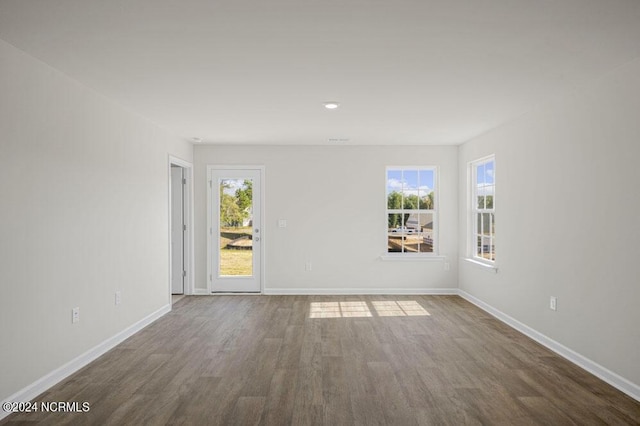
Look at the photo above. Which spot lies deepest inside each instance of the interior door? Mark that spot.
(177, 230)
(235, 232)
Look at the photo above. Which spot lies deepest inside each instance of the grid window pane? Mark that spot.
(488, 173)
(482, 197)
(395, 222)
(486, 247)
(411, 199)
(394, 189)
(486, 224)
(488, 199)
(480, 174)
(426, 233)
(482, 236)
(427, 179)
(410, 189)
(493, 225)
(394, 233)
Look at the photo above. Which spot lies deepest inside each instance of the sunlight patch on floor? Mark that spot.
(354, 309)
(399, 308)
(339, 310)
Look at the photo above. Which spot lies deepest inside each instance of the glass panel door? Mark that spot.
(236, 227)
(235, 242)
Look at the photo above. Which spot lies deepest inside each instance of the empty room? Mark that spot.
(219, 212)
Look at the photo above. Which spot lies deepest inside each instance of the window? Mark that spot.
(483, 202)
(411, 210)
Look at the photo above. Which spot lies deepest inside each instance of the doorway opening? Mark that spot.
(180, 229)
(235, 237)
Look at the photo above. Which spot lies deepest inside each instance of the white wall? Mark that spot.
(333, 198)
(567, 221)
(83, 213)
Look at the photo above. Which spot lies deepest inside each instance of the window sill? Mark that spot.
(412, 258)
(482, 265)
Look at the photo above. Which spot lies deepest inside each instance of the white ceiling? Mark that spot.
(257, 71)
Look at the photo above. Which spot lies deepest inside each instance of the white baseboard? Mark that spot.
(36, 388)
(358, 291)
(201, 292)
(619, 382)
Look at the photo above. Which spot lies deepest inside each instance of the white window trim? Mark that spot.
(416, 257)
(483, 265)
(472, 211)
(413, 257)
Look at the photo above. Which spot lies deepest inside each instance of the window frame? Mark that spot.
(434, 254)
(474, 210)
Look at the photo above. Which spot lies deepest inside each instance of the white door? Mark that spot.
(177, 230)
(235, 234)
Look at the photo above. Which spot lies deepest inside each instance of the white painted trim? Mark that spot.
(360, 291)
(483, 265)
(201, 292)
(208, 231)
(615, 380)
(42, 384)
(408, 257)
(189, 216)
(262, 170)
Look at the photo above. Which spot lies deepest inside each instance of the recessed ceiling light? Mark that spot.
(331, 105)
(338, 139)
(196, 140)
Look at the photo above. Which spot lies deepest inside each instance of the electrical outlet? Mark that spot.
(553, 303)
(447, 266)
(118, 299)
(282, 223)
(75, 315)
(307, 266)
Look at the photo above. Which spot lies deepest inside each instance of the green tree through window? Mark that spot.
(411, 210)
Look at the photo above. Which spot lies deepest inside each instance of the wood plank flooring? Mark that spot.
(325, 360)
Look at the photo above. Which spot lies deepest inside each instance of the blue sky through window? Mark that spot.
(230, 186)
(411, 181)
(488, 173)
(485, 178)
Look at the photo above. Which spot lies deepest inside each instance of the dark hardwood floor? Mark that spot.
(302, 360)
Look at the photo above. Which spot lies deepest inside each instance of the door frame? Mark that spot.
(261, 170)
(189, 264)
